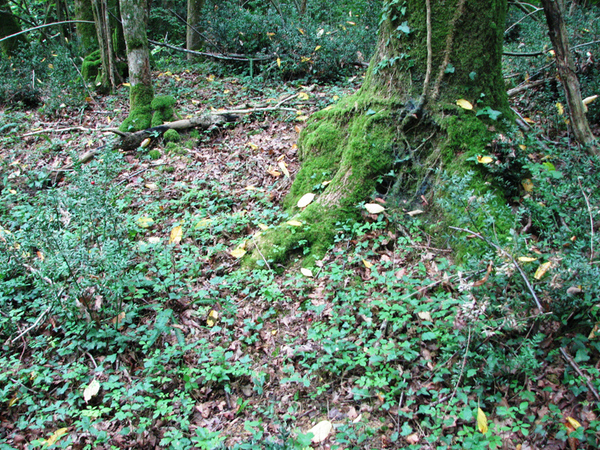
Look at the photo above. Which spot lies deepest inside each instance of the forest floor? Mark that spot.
(375, 341)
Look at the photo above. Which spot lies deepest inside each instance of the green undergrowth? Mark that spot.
(109, 320)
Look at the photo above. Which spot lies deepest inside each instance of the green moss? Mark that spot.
(91, 66)
(141, 96)
(171, 136)
(138, 119)
(154, 154)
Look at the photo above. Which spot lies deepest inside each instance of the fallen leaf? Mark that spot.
(212, 318)
(306, 200)
(118, 319)
(145, 143)
(374, 208)
(541, 270)
(262, 226)
(279, 62)
(283, 166)
(484, 159)
(412, 439)
(367, 264)
(573, 423)
(464, 104)
(416, 212)
(321, 431)
(202, 224)
(238, 252)
(527, 185)
(294, 223)
(526, 259)
(425, 315)
(55, 436)
(482, 423)
(91, 390)
(303, 96)
(306, 272)
(176, 235)
(145, 222)
(273, 173)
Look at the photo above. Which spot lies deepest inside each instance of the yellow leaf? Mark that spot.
(317, 48)
(527, 185)
(126, 84)
(367, 264)
(306, 272)
(303, 96)
(528, 120)
(573, 423)
(262, 226)
(283, 166)
(91, 390)
(526, 259)
(238, 252)
(252, 145)
(374, 208)
(274, 173)
(279, 62)
(335, 98)
(226, 91)
(541, 270)
(306, 200)
(176, 235)
(55, 436)
(415, 212)
(482, 423)
(560, 108)
(301, 30)
(351, 23)
(50, 66)
(294, 223)
(302, 118)
(484, 159)
(212, 318)
(464, 104)
(13, 400)
(145, 143)
(210, 78)
(202, 224)
(522, 147)
(325, 183)
(145, 222)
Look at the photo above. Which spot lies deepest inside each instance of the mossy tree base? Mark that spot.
(405, 113)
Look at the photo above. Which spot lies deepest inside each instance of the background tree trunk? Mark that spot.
(430, 54)
(566, 70)
(86, 32)
(134, 16)
(104, 33)
(9, 24)
(193, 39)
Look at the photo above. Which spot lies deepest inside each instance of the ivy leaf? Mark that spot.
(404, 28)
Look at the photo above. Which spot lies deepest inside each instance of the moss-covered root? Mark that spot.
(344, 150)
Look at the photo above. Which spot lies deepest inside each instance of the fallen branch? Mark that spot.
(224, 57)
(574, 365)
(57, 130)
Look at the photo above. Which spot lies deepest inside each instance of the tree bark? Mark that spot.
(9, 24)
(429, 55)
(134, 16)
(86, 32)
(110, 73)
(193, 39)
(566, 70)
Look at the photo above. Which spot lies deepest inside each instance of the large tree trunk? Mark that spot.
(430, 54)
(193, 38)
(9, 24)
(134, 16)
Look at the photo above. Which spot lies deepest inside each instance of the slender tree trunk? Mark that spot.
(430, 54)
(134, 16)
(193, 39)
(566, 71)
(9, 24)
(110, 73)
